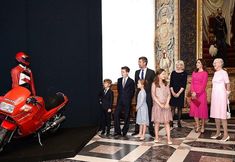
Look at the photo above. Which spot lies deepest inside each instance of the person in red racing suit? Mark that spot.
(21, 74)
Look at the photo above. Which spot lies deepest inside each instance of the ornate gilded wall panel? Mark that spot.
(166, 33)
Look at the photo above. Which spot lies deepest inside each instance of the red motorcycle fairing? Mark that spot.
(17, 95)
(8, 125)
(28, 117)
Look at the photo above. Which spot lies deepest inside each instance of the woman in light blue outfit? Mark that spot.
(142, 118)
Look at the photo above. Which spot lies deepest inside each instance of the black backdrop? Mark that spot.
(63, 38)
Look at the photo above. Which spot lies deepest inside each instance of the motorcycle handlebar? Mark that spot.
(33, 101)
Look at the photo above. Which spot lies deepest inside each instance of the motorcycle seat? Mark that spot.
(54, 101)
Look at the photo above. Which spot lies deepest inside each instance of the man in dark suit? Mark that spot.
(148, 75)
(106, 102)
(126, 90)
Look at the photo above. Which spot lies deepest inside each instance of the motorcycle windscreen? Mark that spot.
(17, 95)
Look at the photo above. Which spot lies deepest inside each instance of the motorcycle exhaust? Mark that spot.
(55, 123)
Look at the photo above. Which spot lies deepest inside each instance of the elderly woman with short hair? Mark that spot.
(219, 98)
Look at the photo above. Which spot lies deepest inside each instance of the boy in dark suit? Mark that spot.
(106, 102)
(126, 90)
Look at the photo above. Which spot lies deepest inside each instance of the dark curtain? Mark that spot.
(63, 39)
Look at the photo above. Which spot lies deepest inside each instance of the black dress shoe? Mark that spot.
(152, 134)
(179, 125)
(117, 134)
(124, 134)
(135, 133)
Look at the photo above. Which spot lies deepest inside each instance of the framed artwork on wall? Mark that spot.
(216, 32)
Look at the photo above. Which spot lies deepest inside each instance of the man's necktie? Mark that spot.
(142, 74)
(123, 82)
(105, 91)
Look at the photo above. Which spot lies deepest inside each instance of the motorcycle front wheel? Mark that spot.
(4, 137)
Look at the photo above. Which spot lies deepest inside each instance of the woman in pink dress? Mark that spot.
(198, 104)
(219, 96)
(161, 111)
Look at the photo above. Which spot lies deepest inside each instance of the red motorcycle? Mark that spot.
(24, 114)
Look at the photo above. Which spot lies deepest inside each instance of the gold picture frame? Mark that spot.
(199, 30)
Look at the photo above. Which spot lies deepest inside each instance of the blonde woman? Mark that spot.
(219, 96)
(178, 83)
